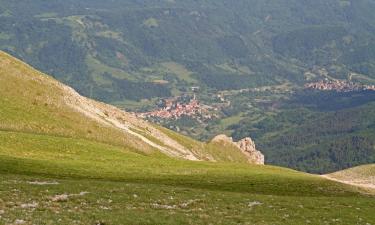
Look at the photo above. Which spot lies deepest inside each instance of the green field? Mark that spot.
(121, 187)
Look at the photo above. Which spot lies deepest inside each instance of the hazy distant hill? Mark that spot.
(111, 50)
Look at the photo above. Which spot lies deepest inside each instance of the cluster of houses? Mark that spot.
(174, 109)
(338, 85)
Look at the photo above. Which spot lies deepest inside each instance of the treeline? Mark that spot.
(332, 100)
(327, 156)
(317, 134)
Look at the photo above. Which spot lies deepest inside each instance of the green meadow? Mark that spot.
(113, 185)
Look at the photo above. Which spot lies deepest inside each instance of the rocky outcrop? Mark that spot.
(246, 146)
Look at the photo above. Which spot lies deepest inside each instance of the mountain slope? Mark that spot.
(34, 102)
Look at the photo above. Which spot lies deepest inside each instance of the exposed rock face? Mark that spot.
(247, 147)
(222, 138)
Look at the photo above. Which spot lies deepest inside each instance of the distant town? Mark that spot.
(338, 85)
(175, 108)
(188, 105)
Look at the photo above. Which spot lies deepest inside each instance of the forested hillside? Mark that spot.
(103, 49)
(317, 132)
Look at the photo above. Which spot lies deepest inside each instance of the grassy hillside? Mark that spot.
(33, 102)
(359, 172)
(218, 152)
(106, 184)
(45, 106)
(363, 176)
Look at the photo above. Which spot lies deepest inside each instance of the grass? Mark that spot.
(181, 72)
(134, 203)
(147, 134)
(40, 107)
(78, 158)
(361, 174)
(225, 152)
(125, 187)
(231, 120)
(235, 69)
(97, 69)
(4, 36)
(220, 153)
(111, 34)
(151, 23)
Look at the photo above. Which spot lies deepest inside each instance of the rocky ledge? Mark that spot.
(246, 146)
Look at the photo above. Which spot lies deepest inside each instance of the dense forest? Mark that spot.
(317, 131)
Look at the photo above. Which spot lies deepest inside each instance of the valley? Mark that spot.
(246, 112)
(251, 61)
